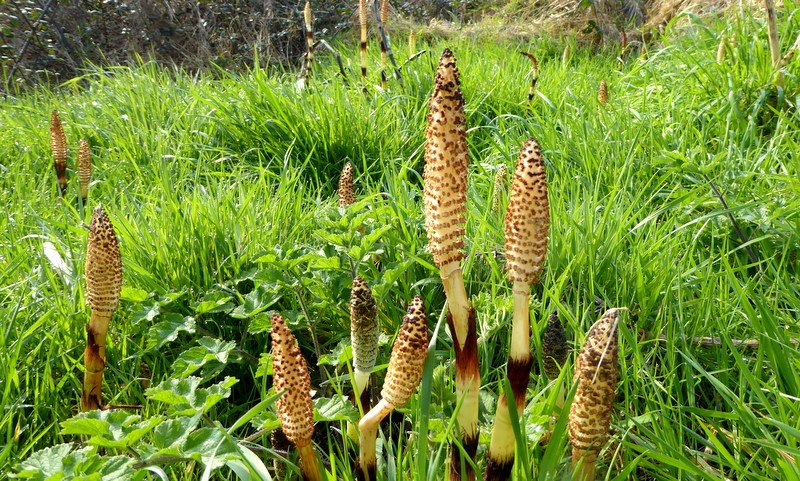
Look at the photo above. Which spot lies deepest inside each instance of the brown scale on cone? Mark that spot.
(408, 356)
(500, 182)
(596, 372)
(347, 195)
(528, 216)
(291, 375)
(445, 173)
(103, 264)
(58, 145)
(554, 347)
(602, 92)
(84, 168)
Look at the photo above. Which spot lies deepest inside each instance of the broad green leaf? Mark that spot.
(257, 301)
(133, 294)
(341, 354)
(264, 365)
(211, 447)
(211, 354)
(145, 312)
(46, 463)
(174, 431)
(110, 429)
(259, 323)
(168, 330)
(214, 305)
(186, 398)
(336, 408)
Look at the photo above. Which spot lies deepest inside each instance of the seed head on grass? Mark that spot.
(58, 145)
(596, 372)
(84, 168)
(295, 408)
(103, 286)
(402, 378)
(347, 195)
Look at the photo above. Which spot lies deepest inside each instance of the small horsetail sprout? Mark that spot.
(294, 407)
(565, 55)
(412, 42)
(534, 74)
(445, 189)
(602, 92)
(527, 227)
(402, 378)
(347, 195)
(84, 169)
(364, 331)
(103, 286)
(596, 372)
(500, 181)
(554, 353)
(362, 17)
(58, 145)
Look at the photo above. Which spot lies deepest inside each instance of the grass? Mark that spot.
(222, 191)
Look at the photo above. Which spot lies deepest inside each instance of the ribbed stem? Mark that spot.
(94, 361)
(467, 381)
(362, 15)
(368, 429)
(309, 464)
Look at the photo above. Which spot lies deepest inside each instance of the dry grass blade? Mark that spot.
(602, 92)
(84, 169)
(294, 407)
(527, 229)
(402, 378)
(596, 372)
(347, 194)
(445, 189)
(103, 286)
(58, 145)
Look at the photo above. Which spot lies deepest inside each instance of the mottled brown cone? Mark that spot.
(445, 173)
(554, 347)
(364, 328)
(596, 372)
(103, 264)
(602, 92)
(500, 183)
(84, 167)
(291, 376)
(528, 216)
(347, 194)
(408, 356)
(58, 145)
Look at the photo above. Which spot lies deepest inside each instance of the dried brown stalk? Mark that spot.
(103, 286)
(534, 74)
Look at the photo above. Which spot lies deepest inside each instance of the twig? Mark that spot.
(742, 237)
(791, 52)
(385, 47)
(326, 45)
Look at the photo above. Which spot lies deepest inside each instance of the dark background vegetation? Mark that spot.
(50, 41)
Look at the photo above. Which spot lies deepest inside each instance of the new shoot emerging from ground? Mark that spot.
(294, 407)
(526, 228)
(58, 145)
(445, 188)
(554, 354)
(402, 378)
(84, 169)
(347, 195)
(596, 372)
(103, 286)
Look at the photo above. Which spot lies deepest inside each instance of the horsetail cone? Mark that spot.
(554, 347)
(402, 379)
(58, 145)
(364, 331)
(347, 195)
(445, 189)
(602, 92)
(295, 409)
(596, 372)
(103, 286)
(84, 168)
